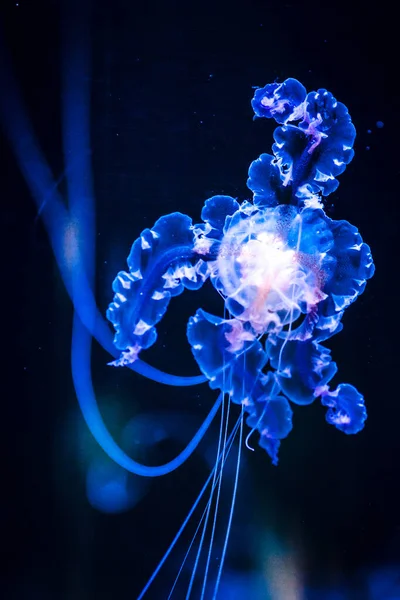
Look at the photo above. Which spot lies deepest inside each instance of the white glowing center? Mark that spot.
(261, 271)
(267, 264)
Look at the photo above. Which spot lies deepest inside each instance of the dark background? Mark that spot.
(172, 125)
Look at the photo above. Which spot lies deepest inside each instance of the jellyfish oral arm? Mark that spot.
(162, 263)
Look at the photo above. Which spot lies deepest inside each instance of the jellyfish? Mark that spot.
(284, 270)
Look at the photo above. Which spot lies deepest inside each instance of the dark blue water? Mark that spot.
(171, 125)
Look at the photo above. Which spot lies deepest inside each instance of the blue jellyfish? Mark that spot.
(285, 272)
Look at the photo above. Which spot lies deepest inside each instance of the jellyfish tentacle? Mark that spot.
(219, 464)
(80, 358)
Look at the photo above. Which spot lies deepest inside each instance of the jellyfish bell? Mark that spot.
(263, 270)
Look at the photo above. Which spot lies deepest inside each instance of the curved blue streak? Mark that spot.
(57, 219)
(72, 238)
(80, 360)
(81, 203)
